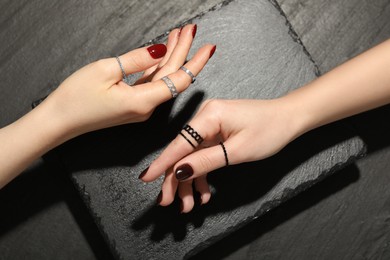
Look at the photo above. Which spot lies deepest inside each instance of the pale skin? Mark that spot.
(95, 97)
(361, 84)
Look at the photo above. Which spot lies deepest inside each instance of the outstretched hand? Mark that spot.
(95, 96)
(249, 129)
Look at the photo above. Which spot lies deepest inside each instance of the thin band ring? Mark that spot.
(170, 86)
(193, 78)
(188, 140)
(125, 78)
(225, 153)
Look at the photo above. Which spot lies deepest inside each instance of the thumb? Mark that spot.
(203, 161)
(137, 60)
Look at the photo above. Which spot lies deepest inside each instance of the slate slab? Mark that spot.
(258, 56)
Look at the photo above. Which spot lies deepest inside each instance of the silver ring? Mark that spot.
(189, 73)
(170, 86)
(125, 78)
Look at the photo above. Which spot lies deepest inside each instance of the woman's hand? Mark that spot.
(95, 97)
(255, 129)
(250, 130)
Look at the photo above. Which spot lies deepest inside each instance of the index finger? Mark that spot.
(204, 124)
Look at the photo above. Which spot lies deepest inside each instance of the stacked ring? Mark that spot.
(193, 134)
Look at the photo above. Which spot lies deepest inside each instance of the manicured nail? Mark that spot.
(183, 172)
(212, 51)
(194, 30)
(159, 198)
(157, 51)
(181, 206)
(143, 173)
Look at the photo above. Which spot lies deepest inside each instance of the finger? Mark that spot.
(157, 92)
(204, 161)
(168, 189)
(137, 60)
(206, 124)
(186, 196)
(173, 38)
(202, 187)
(180, 52)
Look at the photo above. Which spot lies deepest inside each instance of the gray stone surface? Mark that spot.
(347, 215)
(264, 61)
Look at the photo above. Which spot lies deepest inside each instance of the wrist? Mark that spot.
(297, 116)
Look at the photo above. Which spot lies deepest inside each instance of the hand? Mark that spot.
(250, 130)
(95, 96)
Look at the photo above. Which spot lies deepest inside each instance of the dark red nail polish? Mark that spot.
(212, 51)
(181, 206)
(183, 172)
(157, 51)
(159, 198)
(143, 173)
(194, 30)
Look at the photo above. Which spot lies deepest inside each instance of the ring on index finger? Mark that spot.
(193, 134)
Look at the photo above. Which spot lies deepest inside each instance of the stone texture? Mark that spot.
(264, 60)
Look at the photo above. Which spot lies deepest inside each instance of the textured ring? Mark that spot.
(189, 73)
(170, 86)
(225, 153)
(125, 78)
(193, 133)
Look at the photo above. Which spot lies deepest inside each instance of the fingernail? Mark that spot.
(159, 198)
(212, 51)
(194, 30)
(157, 51)
(143, 173)
(181, 206)
(184, 172)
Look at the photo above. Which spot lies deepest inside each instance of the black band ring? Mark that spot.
(193, 133)
(188, 140)
(225, 153)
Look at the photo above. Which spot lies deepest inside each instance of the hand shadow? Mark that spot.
(246, 186)
(127, 145)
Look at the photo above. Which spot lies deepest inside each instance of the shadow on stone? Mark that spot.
(374, 128)
(127, 145)
(281, 214)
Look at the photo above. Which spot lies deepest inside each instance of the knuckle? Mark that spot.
(213, 109)
(215, 105)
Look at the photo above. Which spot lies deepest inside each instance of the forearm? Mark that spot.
(27, 139)
(358, 85)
